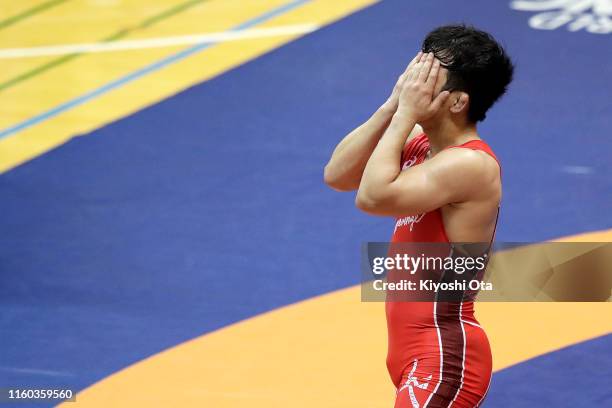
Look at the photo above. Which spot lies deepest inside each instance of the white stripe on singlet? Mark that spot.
(463, 356)
(486, 392)
(471, 323)
(441, 357)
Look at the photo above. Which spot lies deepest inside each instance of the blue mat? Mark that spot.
(209, 207)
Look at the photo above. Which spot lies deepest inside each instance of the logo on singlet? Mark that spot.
(409, 163)
(593, 16)
(410, 220)
(412, 381)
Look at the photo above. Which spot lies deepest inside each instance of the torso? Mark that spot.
(430, 342)
(472, 221)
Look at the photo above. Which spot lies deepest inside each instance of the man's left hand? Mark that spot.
(416, 99)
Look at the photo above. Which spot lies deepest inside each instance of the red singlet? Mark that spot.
(438, 354)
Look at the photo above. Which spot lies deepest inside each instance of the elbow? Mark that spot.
(376, 201)
(335, 181)
(367, 202)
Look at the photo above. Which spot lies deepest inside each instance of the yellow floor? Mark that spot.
(324, 352)
(327, 351)
(28, 87)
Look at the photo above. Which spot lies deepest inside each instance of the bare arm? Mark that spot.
(451, 176)
(446, 178)
(344, 170)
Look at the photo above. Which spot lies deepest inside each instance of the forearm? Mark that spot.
(344, 170)
(384, 165)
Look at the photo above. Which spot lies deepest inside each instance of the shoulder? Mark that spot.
(472, 171)
(473, 162)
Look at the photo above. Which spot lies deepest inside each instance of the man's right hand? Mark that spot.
(344, 170)
(393, 102)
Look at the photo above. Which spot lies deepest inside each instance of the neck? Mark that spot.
(442, 134)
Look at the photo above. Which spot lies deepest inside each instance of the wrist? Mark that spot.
(404, 115)
(388, 109)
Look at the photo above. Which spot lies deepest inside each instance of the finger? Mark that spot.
(439, 101)
(433, 74)
(410, 71)
(414, 61)
(426, 67)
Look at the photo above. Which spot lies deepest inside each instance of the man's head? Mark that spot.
(479, 70)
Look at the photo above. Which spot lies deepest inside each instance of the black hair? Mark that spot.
(478, 65)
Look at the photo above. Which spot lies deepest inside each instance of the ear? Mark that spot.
(459, 101)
